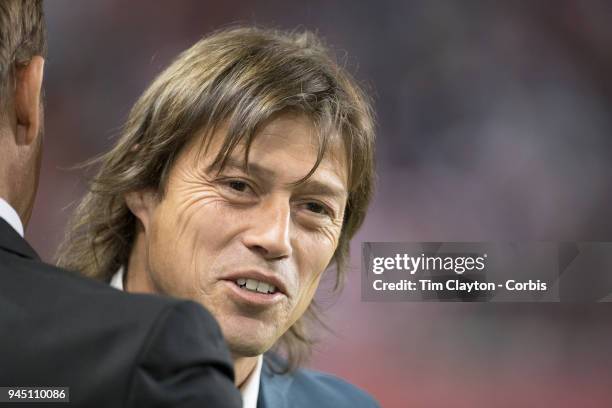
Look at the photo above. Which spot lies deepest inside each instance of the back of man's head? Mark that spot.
(22, 49)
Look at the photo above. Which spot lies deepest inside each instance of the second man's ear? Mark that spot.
(142, 203)
(27, 102)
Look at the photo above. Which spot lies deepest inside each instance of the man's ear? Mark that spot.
(28, 86)
(142, 203)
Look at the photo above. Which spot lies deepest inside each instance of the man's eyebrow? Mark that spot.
(311, 185)
(332, 189)
(234, 163)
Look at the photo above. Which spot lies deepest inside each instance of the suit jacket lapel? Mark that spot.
(273, 389)
(11, 241)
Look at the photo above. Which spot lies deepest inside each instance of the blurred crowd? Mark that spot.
(494, 123)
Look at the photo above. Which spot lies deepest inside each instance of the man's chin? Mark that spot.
(248, 338)
(242, 348)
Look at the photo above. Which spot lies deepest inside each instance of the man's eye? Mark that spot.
(317, 208)
(238, 185)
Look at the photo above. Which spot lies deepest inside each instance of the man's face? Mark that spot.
(249, 245)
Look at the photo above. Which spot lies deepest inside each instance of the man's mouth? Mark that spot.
(253, 285)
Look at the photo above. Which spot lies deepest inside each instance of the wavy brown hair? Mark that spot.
(241, 78)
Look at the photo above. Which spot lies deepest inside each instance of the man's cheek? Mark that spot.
(302, 305)
(186, 205)
(315, 266)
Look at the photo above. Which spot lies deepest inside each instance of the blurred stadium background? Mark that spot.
(494, 123)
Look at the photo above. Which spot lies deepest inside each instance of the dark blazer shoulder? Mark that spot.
(38, 287)
(110, 347)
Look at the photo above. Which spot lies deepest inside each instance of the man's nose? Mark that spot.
(269, 233)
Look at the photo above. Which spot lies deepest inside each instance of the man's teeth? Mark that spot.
(255, 285)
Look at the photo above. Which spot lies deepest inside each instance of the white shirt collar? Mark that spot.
(117, 279)
(8, 214)
(250, 388)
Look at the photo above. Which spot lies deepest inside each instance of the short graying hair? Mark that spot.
(22, 36)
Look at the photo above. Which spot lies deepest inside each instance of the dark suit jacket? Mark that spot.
(307, 388)
(111, 348)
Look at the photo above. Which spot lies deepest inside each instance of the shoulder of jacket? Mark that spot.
(90, 293)
(305, 387)
(332, 388)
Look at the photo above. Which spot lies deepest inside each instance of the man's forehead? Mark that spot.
(277, 148)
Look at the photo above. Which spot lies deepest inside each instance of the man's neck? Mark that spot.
(243, 368)
(11, 183)
(8, 214)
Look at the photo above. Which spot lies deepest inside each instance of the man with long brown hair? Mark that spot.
(105, 348)
(241, 175)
